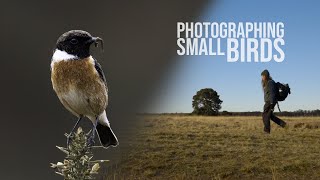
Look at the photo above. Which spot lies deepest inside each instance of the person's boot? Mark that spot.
(283, 124)
(266, 130)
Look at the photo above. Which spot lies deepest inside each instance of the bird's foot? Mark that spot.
(90, 141)
(69, 139)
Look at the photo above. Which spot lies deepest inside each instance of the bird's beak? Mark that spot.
(96, 41)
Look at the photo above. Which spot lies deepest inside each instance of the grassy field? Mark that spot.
(197, 147)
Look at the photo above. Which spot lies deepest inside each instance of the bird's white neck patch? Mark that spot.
(59, 55)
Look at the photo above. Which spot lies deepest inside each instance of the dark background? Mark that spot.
(140, 45)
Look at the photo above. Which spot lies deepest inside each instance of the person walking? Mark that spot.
(269, 89)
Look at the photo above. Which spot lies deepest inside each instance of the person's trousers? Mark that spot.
(267, 115)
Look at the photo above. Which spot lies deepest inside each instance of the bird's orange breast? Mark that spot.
(79, 86)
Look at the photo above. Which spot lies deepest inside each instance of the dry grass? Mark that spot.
(196, 147)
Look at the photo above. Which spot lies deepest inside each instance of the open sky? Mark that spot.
(238, 84)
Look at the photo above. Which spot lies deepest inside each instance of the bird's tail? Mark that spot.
(106, 135)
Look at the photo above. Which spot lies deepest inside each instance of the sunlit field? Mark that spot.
(197, 147)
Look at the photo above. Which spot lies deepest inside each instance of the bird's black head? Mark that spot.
(77, 43)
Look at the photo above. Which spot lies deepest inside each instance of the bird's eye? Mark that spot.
(74, 41)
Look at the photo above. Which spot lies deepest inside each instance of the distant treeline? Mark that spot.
(252, 113)
(282, 113)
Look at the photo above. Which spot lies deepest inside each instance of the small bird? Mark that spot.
(80, 84)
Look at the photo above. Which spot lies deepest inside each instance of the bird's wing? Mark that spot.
(100, 71)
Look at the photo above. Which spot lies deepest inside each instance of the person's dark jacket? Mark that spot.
(270, 92)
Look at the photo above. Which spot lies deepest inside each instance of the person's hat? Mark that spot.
(265, 73)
